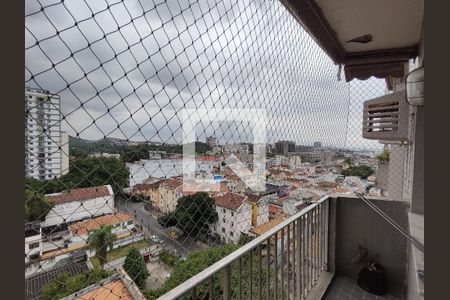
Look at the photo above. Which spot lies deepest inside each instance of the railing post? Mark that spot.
(227, 282)
(299, 263)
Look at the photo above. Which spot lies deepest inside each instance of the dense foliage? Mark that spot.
(85, 172)
(129, 153)
(101, 240)
(135, 266)
(193, 214)
(65, 284)
(384, 156)
(168, 258)
(360, 171)
(35, 207)
(198, 261)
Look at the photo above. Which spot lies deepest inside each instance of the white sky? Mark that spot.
(162, 57)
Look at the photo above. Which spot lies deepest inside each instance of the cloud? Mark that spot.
(126, 68)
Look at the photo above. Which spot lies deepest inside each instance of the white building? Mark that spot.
(33, 242)
(106, 155)
(122, 227)
(235, 217)
(260, 207)
(42, 135)
(293, 206)
(64, 153)
(78, 204)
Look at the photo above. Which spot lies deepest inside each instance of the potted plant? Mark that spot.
(371, 276)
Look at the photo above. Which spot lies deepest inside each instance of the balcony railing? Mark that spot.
(285, 262)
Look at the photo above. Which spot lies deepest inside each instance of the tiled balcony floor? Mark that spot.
(346, 288)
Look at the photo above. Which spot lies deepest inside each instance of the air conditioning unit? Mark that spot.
(386, 118)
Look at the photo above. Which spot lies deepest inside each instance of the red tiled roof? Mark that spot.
(270, 224)
(148, 186)
(81, 194)
(113, 290)
(172, 182)
(274, 208)
(83, 227)
(254, 197)
(230, 200)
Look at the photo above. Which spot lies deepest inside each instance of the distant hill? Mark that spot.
(128, 150)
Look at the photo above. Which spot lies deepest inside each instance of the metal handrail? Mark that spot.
(226, 262)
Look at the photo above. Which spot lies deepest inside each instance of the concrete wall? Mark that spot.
(417, 197)
(357, 223)
(383, 176)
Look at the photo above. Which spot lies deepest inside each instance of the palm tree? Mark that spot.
(100, 240)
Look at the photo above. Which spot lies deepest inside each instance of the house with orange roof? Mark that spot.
(78, 204)
(234, 217)
(119, 286)
(122, 224)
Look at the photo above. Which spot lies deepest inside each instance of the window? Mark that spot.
(223, 230)
(232, 214)
(232, 223)
(130, 222)
(34, 256)
(33, 245)
(223, 210)
(223, 220)
(231, 233)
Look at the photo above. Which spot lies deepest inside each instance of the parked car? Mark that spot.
(154, 239)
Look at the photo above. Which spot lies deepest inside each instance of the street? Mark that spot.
(149, 222)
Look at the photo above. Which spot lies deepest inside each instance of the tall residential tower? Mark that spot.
(43, 142)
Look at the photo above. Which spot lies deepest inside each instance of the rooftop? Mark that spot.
(83, 227)
(230, 200)
(119, 286)
(81, 194)
(269, 225)
(115, 289)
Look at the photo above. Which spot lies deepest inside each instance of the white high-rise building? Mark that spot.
(64, 153)
(43, 159)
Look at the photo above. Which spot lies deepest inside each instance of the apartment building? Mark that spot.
(170, 191)
(284, 147)
(235, 217)
(43, 140)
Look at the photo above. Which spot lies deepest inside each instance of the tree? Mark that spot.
(97, 171)
(135, 267)
(200, 260)
(385, 155)
(348, 161)
(360, 171)
(193, 214)
(35, 208)
(85, 172)
(100, 240)
(168, 258)
(66, 284)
